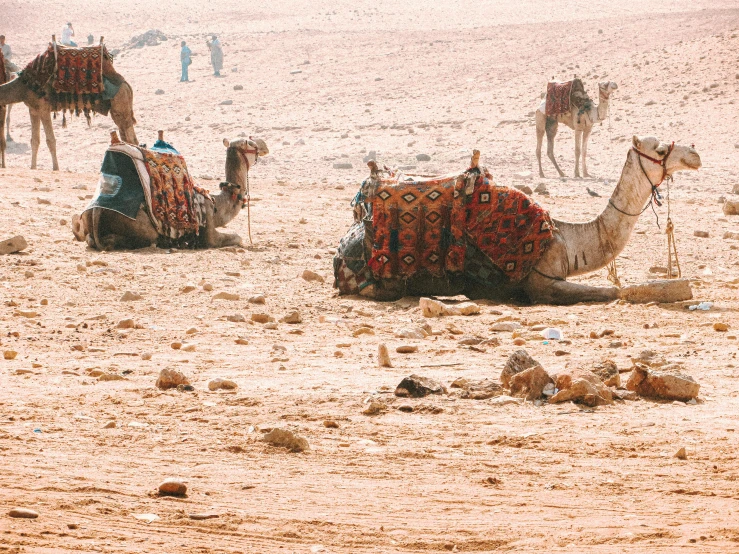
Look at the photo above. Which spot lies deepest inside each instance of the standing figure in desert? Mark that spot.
(216, 55)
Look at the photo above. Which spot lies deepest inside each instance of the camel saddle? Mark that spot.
(156, 178)
(415, 224)
(561, 96)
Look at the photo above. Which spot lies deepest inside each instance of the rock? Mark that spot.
(662, 385)
(173, 487)
(505, 326)
(309, 275)
(223, 295)
(478, 390)
(171, 378)
(519, 341)
(126, 324)
(110, 377)
(735, 188)
(410, 333)
(503, 400)
(731, 207)
(620, 394)
(9, 354)
(24, 513)
(73, 526)
(176, 345)
(63, 222)
(406, 349)
(110, 425)
(201, 517)
(330, 424)
(681, 454)
(227, 102)
(293, 318)
(236, 318)
(189, 347)
(423, 157)
(541, 188)
(207, 287)
(16, 244)
(258, 299)
(146, 355)
(158, 92)
(584, 392)
(719, 326)
(701, 234)
(286, 439)
(731, 235)
(383, 356)
(343, 166)
(242, 341)
(221, 384)
(187, 288)
(262, 318)
(405, 408)
(517, 362)
(434, 308)
(607, 371)
(271, 326)
(238, 87)
(524, 189)
(529, 384)
(375, 407)
(363, 331)
(416, 386)
(664, 291)
(129, 296)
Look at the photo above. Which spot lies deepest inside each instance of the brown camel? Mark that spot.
(580, 121)
(120, 108)
(109, 230)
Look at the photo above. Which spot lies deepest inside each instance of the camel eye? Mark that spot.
(662, 150)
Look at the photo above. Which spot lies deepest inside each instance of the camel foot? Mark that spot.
(541, 174)
(78, 228)
(587, 175)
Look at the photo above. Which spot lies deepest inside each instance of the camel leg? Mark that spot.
(214, 239)
(35, 137)
(551, 131)
(585, 139)
(7, 124)
(540, 131)
(578, 143)
(50, 138)
(542, 290)
(3, 110)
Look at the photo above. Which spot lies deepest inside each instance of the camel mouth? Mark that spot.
(693, 163)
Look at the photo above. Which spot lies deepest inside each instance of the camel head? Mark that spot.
(606, 88)
(250, 149)
(679, 158)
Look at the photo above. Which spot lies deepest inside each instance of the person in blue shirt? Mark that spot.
(186, 60)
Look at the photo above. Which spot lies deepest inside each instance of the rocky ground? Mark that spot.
(87, 437)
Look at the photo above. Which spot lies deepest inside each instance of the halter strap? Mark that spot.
(662, 162)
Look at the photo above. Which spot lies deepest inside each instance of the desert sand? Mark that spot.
(325, 83)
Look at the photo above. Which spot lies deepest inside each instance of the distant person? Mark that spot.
(90, 39)
(10, 67)
(216, 55)
(67, 34)
(186, 60)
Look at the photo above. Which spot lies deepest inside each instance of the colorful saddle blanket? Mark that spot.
(562, 96)
(73, 78)
(426, 224)
(157, 178)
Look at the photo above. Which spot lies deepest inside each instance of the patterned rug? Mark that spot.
(176, 202)
(508, 227)
(73, 79)
(562, 96)
(418, 226)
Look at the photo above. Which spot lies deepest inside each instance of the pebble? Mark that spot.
(681, 454)
(262, 318)
(286, 439)
(505, 326)
(309, 275)
(330, 424)
(63, 222)
(146, 355)
(293, 318)
(176, 345)
(270, 326)
(187, 288)
(524, 189)
(110, 425)
(171, 378)
(223, 295)
(191, 331)
(383, 356)
(406, 349)
(129, 296)
(207, 287)
(10, 354)
(23, 513)
(423, 157)
(242, 341)
(221, 384)
(110, 377)
(363, 331)
(410, 333)
(258, 299)
(416, 386)
(159, 91)
(16, 244)
(701, 234)
(236, 318)
(201, 517)
(73, 526)
(173, 487)
(189, 347)
(343, 166)
(238, 87)
(719, 326)
(126, 324)
(519, 341)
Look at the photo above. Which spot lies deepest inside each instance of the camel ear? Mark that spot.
(636, 142)
(226, 143)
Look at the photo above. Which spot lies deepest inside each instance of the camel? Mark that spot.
(109, 230)
(581, 123)
(40, 109)
(576, 248)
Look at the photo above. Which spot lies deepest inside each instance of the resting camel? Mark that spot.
(581, 123)
(576, 248)
(120, 108)
(109, 230)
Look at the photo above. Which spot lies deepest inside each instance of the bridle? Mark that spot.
(655, 196)
(233, 187)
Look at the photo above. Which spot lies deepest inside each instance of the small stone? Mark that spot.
(524, 189)
(28, 274)
(363, 331)
(665, 291)
(258, 299)
(44, 302)
(159, 92)
(73, 526)
(10, 246)
(201, 517)
(520, 342)
(293, 318)
(286, 439)
(719, 326)
(221, 384)
(192, 331)
(517, 362)
(188, 288)
(406, 408)
(110, 425)
(238, 87)
(27, 313)
(608, 372)
(383, 356)
(681, 454)
(129, 296)
(423, 157)
(227, 102)
(330, 424)
(505, 326)
(271, 326)
(9, 354)
(110, 377)
(223, 295)
(63, 222)
(503, 400)
(236, 318)
(343, 166)
(81, 268)
(309, 275)
(171, 378)
(172, 487)
(146, 355)
(207, 287)
(410, 333)
(188, 347)
(242, 341)
(731, 207)
(406, 349)
(416, 386)
(375, 407)
(701, 234)
(176, 345)
(262, 318)
(23, 513)
(663, 385)
(529, 384)
(434, 308)
(126, 324)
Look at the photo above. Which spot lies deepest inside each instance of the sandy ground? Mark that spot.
(401, 79)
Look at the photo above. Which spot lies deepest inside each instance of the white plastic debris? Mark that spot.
(552, 333)
(705, 306)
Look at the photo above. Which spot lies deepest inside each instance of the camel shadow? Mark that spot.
(16, 147)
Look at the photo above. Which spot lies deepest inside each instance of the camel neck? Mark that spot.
(603, 108)
(13, 92)
(594, 244)
(226, 208)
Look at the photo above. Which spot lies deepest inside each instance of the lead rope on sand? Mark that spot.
(671, 244)
(613, 274)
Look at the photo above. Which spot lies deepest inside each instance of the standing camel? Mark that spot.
(42, 102)
(575, 248)
(581, 121)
